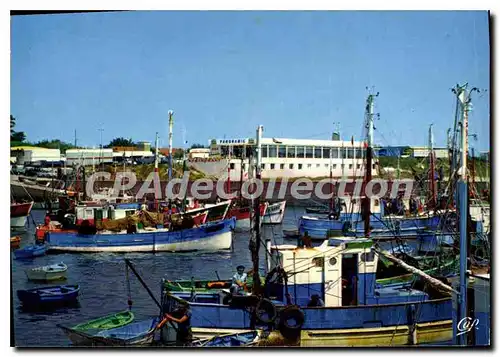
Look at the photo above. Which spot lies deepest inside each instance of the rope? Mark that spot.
(129, 301)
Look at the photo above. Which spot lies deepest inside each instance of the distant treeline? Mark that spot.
(18, 138)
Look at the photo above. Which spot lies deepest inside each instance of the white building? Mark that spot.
(200, 153)
(422, 151)
(88, 157)
(286, 158)
(31, 154)
(131, 154)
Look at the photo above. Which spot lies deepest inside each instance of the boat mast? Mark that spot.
(368, 177)
(399, 170)
(464, 102)
(170, 130)
(229, 170)
(331, 170)
(432, 179)
(157, 194)
(243, 154)
(255, 245)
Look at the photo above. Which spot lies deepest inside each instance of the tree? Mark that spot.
(178, 154)
(197, 146)
(19, 136)
(55, 144)
(120, 142)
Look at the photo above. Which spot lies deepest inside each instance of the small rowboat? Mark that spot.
(48, 272)
(31, 251)
(49, 295)
(230, 340)
(15, 241)
(134, 334)
(107, 322)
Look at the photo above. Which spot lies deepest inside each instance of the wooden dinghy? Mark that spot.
(48, 272)
(31, 251)
(48, 295)
(139, 333)
(119, 319)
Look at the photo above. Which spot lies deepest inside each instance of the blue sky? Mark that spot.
(223, 73)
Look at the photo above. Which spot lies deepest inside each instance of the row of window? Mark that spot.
(311, 152)
(232, 141)
(301, 166)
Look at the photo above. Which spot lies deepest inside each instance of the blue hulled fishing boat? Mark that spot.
(341, 272)
(212, 236)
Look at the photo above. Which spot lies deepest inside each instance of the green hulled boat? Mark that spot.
(202, 286)
(432, 265)
(107, 322)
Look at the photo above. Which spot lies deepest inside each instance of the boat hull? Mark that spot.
(385, 228)
(242, 216)
(18, 222)
(210, 237)
(39, 296)
(107, 322)
(274, 213)
(362, 325)
(30, 252)
(41, 274)
(80, 338)
(134, 334)
(397, 335)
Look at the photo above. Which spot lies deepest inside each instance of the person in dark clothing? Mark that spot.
(413, 205)
(315, 301)
(184, 333)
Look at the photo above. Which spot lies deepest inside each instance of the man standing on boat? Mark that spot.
(239, 280)
(184, 333)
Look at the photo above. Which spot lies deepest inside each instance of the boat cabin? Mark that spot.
(341, 271)
(93, 213)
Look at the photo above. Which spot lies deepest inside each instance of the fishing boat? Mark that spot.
(212, 236)
(139, 333)
(274, 213)
(213, 212)
(240, 339)
(356, 312)
(49, 295)
(48, 272)
(381, 227)
(242, 215)
(31, 251)
(19, 213)
(15, 242)
(108, 322)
